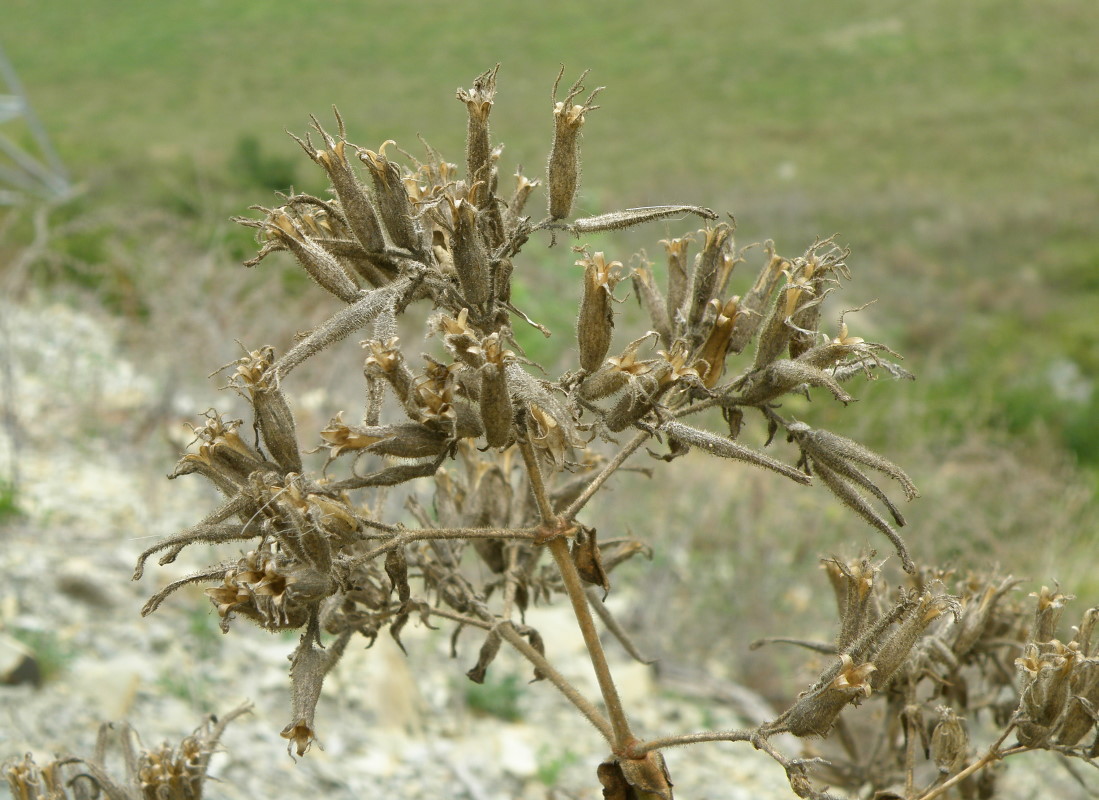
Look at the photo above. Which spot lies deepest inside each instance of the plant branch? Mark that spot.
(559, 549)
(992, 754)
(585, 706)
(598, 481)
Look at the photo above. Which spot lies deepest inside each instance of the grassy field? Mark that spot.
(951, 145)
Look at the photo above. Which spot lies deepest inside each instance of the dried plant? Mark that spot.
(163, 773)
(512, 457)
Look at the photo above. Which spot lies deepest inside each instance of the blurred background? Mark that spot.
(952, 146)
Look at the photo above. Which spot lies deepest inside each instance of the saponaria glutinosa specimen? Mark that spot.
(513, 455)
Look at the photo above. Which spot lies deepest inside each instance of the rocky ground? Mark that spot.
(92, 494)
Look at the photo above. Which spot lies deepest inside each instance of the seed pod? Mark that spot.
(354, 200)
(308, 666)
(753, 303)
(563, 175)
(487, 655)
(394, 204)
(497, 414)
(387, 361)
(471, 260)
(1082, 705)
(406, 440)
(314, 259)
(892, 654)
(806, 320)
(833, 448)
(1046, 669)
(775, 332)
(478, 101)
(342, 324)
(949, 741)
(648, 295)
(716, 347)
(255, 379)
(853, 582)
(816, 710)
(704, 282)
(595, 322)
(679, 277)
(1047, 615)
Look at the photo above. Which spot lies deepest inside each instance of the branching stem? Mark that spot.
(574, 587)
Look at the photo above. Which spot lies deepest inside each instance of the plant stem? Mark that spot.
(992, 754)
(559, 549)
(620, 458)
(739, 735)
(585, 706)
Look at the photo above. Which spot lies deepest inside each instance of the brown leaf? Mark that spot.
(588, 559)
(488, 652)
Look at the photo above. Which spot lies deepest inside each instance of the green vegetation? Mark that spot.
(498, 696)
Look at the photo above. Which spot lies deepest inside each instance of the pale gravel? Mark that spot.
(390, 726)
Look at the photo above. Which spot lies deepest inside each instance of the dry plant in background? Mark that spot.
(499, 461)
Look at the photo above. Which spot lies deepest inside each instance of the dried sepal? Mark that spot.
(485, 657)
(588, 559)
(563, 172)
(755, 300)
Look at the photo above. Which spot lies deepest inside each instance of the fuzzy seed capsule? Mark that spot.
(595, 322)
(563, 175)
(469, 254)
(705, 280)
(394, 204)
(496, 410)
(478, 101)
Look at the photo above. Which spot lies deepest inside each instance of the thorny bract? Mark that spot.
(513, 457)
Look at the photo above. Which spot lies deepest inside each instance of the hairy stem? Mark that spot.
(598, 481)
(574, 587)
(585, 706)
(992, 754)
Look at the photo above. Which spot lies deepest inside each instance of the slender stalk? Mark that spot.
(583, 705)
(992, 754)
(422, 534)
(574, 587)
(597, 482)
(738, 735)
